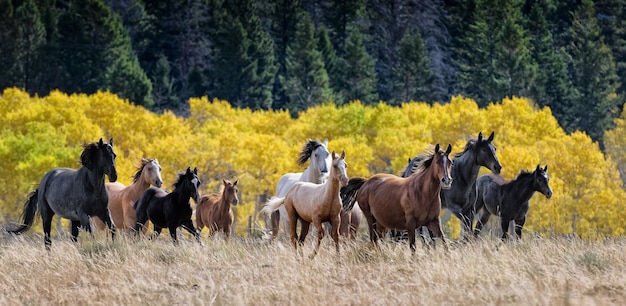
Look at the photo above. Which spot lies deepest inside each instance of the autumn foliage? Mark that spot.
(257, 147)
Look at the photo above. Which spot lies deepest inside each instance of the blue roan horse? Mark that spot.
(170, 210)
(74, 194)
(509, 200)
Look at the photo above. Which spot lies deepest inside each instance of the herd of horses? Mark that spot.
(322, 195)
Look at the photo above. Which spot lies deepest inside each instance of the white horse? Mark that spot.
(314, 203)
(316, 172)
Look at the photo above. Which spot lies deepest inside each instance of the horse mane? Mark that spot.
(144, 162)
(88, 151)
(307, 150)
(426, 159)
(469, 146)
(179, 180)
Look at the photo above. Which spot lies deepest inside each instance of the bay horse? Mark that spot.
(393, 202)
(317, 172)
(122, 198)
(509, 200)
(73, 194)
(314, 203)
(170, 210)
(213, 210)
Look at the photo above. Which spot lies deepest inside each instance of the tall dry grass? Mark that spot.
(97, 271)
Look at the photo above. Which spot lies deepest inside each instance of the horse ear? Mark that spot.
(545, 169)
(480, 136)
(111, 142)
(188, 170)
(491, 137)
(538, 168)
(326, 142)
(195, 170)
(235, 183)
(449, 149)
(437, 148)
(343, 154)
(100, 143)
(224, 181)
(334, 156)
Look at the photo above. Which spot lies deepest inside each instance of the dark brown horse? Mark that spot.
(509, 200)
(393, 202)
(214, 211)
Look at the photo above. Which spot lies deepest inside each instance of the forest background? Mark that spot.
(273, 73)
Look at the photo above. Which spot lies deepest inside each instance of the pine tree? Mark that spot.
(30, 38)
(593, 74)
(358, 81)
(552, 86)
(243, 66)
(7, 47)
(329, 56)
(163, 86)
(305, 81)
(412, 72)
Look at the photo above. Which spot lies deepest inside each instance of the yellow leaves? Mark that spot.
(257, 147)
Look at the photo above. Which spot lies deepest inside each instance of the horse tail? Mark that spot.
(272, 205)
(145, 198)
(28, 215)
(348, 192)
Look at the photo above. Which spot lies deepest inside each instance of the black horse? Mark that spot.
(74, 194)
(170, 210)
(460, 198)
(509, 200)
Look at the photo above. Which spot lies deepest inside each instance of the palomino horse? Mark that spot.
(394, 202)
(213, 210)
(122, 198)
(170, 210)
(74, 194)
(509, 200)
(317, 172)
(314, 203)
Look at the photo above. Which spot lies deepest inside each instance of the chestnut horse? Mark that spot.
(394, 202)
(213, 210)
(314, 203)
(122, 198)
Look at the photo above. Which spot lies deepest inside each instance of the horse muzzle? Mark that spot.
(446, 183)
(496, 168)
(112, 176)
(158, 183)
(548, 193)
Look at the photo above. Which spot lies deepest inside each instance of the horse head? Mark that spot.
(317, 153)
(190, 184)
(541, 181)
(99, 156)
(486, 153)
(442, 159)
(339, 166)
(230, 193)
(150, 172)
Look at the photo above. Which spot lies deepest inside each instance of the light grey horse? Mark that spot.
(317, 172)
(74, 194)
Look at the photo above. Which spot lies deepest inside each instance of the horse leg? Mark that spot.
(504, 223)
(519, 225)
(435, 227)
(275, 220)
(320, 236)
(410, 226)
(106, 218)
(293, 221)
(74, 230)
(484, 217)
(334, 232)
(188, 226)
(157, 232)
(172, 229)
(304, 231)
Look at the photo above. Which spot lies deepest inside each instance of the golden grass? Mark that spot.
(97, 271)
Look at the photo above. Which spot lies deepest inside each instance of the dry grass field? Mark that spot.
(96, 271)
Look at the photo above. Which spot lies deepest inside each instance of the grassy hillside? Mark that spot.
(100, 272)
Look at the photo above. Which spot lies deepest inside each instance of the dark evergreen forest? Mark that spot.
(569, 55)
